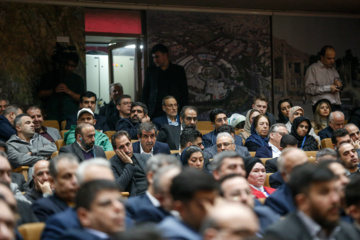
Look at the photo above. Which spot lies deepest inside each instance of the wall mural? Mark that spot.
(227, 57)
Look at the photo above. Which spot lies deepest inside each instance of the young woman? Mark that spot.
(193, 157)
(321, 115)
(284, 106)
(300, 130)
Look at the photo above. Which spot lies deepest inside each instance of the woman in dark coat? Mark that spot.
(300, 130)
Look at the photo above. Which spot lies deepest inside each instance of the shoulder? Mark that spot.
(139, 156)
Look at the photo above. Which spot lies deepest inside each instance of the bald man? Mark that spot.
(336, 121)
(40, 183)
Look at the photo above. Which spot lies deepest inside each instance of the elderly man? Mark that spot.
(88, 100)
(62, 170)
(128, 167)
(3, 105)
(84, 147)
(139, 114)
(27, 147)
(7, 122)
(86, 115)
(349, 157)
(336, 121)
(171, 134)
(354, 133)
(41, 182)
(147, 143)
(51, 134)
(322, 79)
(273, 149)
(171, 117)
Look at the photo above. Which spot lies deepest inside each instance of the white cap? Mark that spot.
(235, 119)
(81, 111)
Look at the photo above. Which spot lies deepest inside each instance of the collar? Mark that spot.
(323, 66)
(176, 123)
(31, 139)
(97, 233)
(142, 151)
(153, 200)
(83, 148)
(275, 151)
(261, 189)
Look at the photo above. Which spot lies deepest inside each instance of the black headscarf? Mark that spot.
(310, 143)
(250, 163)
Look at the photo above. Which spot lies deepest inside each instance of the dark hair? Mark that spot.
(226, 128)
(189, 134)
(324, 49)
(71, 56)
(303, 176)
(288, 139)
(166, 98)
(118, 135)
(225, 178)
(257, 118)
(34, 107)
(135, 104)
(147, 126)
(190, 150)
(352, 193)
(341, 132)
(159, 48)
(188, 182)
(213, 113)
(261, 97)
(282, 118)
(121, 98)
(17, 120)
(183, 110)
(87, 94)
(3, 144)
(89, 190)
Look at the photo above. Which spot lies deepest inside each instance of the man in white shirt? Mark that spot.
(273, 149)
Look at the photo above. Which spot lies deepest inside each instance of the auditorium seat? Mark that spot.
(327, 143)
(23, 170)
(59, 143)
(31, 231)
(109, 133)
(63, 125)
(205, 125)
(51, 123)
(267, 180)
(109, 154)
(62, 132)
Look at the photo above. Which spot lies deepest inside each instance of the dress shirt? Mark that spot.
(275, 151)
(143, 152)
(97, 233)
(173, 123)
(153, 200)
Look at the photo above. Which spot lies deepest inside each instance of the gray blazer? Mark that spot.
(54, 133)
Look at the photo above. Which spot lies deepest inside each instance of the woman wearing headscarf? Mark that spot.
(259, 133)
(251, 114)
(300, 130)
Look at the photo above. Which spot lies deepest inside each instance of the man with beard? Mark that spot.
(84, 147)
(139, 114)
(315, 190)
(349, 157)
(171, 134)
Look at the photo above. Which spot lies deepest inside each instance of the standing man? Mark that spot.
(109, 110)
(171, 117)
(165, 78)
(322, 79)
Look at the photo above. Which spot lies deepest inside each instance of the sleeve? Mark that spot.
(123, 176)
(270, 166)
(69, 137)
(184, 90)
(54, 229)
(45, 148)
(146, 89)
(161, 136)
(42, 211)
(312, 86)
(17, 158)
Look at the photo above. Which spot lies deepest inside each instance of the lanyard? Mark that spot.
(303, 142)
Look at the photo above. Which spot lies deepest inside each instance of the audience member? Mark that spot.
(3, 105)
(109, 110)
(354, 133)
(84, 147)
(147, 143)
(250, 115)
(86, 115)
(340, 136)
(300, 129)
(129, 168)
(336, 121)
(321, 114)
(349, 157)
(352, 195)
(284, 106)
(7, 220)
(193, 157)
(237, 121)
(189, 137)
(259, 133)
(228, 162)
(326, 154)
(123, 108)
(273, 149)
(7, 122)
(50, 133)
(261, 103)
(88, 100)
(171, 117)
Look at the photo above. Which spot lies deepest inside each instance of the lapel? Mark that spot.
(136, 147)
(141, 161)
(156, 148)
(77, 151)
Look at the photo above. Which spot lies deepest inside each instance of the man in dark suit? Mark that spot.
(109, 110)
(40, 181)
(316, 195)
(352, 199)
(99, 211)
(139, 114)
(171, 117)
(336, 121)
(147, 143)
(84, 147)
(129, 168)
(163, 79)
(62, 172)
(273, 148)
(123, 110)
(171, 134)
(88, 100)
(7, 122)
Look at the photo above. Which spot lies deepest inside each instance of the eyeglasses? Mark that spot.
(225, 144)
(191, 118)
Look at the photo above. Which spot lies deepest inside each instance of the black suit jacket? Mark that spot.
(75, 149)
(45, 207)
(292, 228)
(79, 234)
(171, 135)
(124, 173)
(271, 165)
(159, 147)
(126, 125)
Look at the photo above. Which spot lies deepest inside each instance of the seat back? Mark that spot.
(327, 143)
(31, 231)
(62, 132)
(51, 123)
(109, 154)
(267, 180)
(59, 143)
(252, 154)
(109, 133)
(55, 154)
(205, 125)
(63, 125)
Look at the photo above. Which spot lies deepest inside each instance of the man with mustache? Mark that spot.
(349, 157)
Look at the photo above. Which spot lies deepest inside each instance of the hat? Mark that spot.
(250, 163)
(81, 111)
(235, 119)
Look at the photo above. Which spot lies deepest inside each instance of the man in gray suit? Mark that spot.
(316, 194)
(129, 168)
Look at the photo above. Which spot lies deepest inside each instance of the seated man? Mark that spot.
(40, 181)
(88, 100)
(336, 121)
(261, 103)
(109, 110)
(171, 134)
(123, 107)
(128, 167)
(85, 115)
(99, 210)
(170, 107)
(84, 147)
(227, 162)
(138, 115)
(352, 196)
(273, 149)
(218, 118)
(51, 134)
(26, 147)
(62, 171)
(147, 143)
(190, 137)
(3, 105)
(315, 192)
(354, 133)
(349, 157)
(7, 122)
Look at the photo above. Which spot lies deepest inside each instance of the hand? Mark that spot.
(338, 83)
(45, 187)
(124, 158)
(334, 89)
(145, 119)
(62, 88)
(356, 144)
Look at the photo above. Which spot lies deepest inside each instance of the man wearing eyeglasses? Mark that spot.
(129, 168)
(273, 149)
(171, 117)
(138, 114)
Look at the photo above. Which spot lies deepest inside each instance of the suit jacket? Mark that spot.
(26, 213)
(209, 139)
(276, 180)
(171, 135)
(124, 173)
(294, 225)
(6, 129)
(19, 179)
(111, 114)
(271, 165)
(45, 207)
(326, 133)
(126, 125)
(159, 121)
(101, 123)
(212, 151)
(75, 149)
(266, 217)
(264, 152)
(159, 147)
(259, 194)
(79, 234)
(281, 201)
(32, 195)
(174, 229)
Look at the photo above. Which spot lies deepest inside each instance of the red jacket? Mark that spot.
(259, 194)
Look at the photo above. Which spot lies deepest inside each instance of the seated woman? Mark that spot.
(321, 115)
(300, 130)
(259, 133)
(284, 106)
(251, 114)
(193, 157)
(256, 176)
